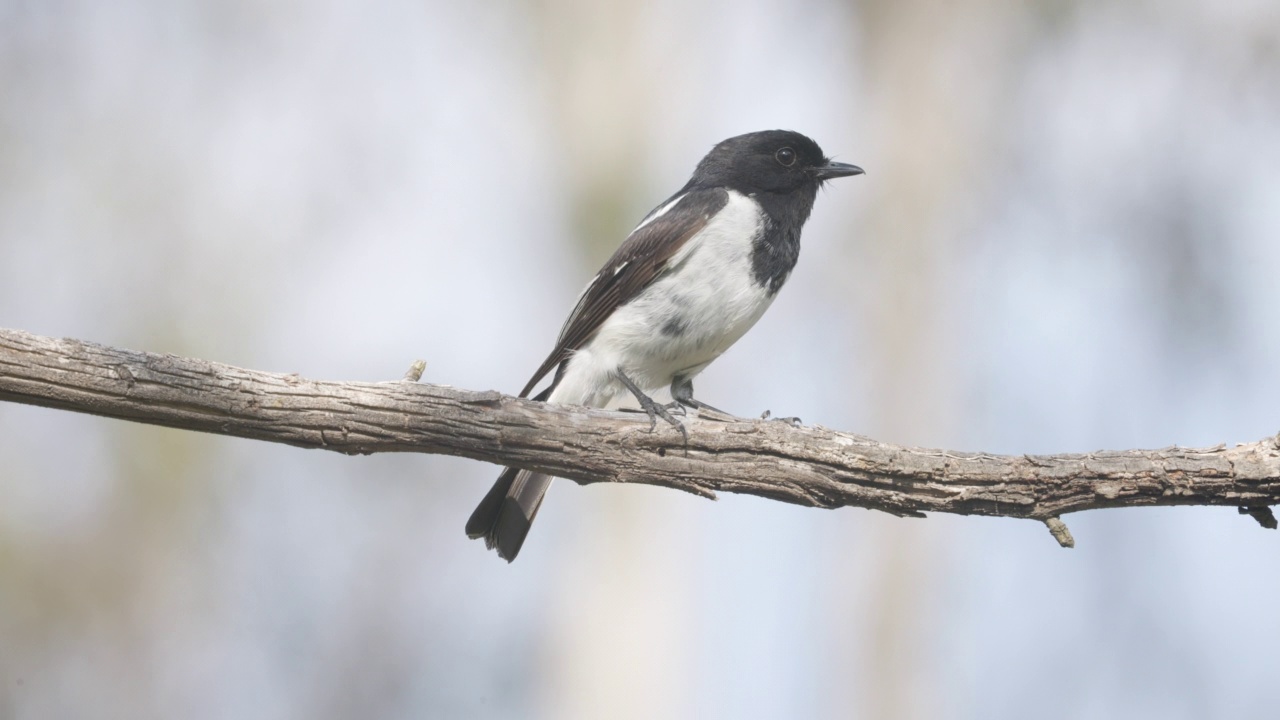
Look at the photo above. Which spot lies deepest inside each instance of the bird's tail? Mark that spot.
(506, 513)
(504, 516)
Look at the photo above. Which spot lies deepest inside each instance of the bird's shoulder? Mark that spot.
(667, 228)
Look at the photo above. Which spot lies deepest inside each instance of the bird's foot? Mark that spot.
(653, 409)
(675, 407)
(704, 410)
(792, 421)
(682, 397)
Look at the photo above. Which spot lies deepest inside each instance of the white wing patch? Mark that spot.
(659, 212)
(577, 307)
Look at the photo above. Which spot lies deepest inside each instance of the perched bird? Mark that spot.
(696, 273)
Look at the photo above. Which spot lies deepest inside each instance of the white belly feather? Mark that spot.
(689, 316)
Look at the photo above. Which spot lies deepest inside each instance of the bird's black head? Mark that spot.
(774, 161)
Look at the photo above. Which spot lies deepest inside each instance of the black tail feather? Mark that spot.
(506, 513)
(485, 516)
(504, 516)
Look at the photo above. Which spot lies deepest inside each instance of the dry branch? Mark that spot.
(803, 465)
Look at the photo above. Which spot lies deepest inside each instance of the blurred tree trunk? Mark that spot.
(919, 57)
(613, 652)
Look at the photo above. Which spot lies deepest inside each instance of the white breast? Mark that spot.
(703, 303)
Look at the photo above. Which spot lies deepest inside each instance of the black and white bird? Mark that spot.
(692, 278)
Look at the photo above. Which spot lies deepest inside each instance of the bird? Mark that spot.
(697, 272)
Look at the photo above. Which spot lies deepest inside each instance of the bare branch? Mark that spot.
(803, 465)
(414, 373)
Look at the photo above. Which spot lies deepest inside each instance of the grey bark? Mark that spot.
(803, 465)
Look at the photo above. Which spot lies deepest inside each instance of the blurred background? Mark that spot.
(1068, 239)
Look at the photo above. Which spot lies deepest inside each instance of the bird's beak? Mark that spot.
(836, 169)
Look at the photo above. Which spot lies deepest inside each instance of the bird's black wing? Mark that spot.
(637, 263)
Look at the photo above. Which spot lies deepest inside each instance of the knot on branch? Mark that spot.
(1059, 531)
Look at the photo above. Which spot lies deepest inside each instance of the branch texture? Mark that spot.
(803, 465)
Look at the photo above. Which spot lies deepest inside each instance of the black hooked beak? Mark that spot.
(835, 169)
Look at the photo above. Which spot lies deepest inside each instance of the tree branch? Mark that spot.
(805, 465)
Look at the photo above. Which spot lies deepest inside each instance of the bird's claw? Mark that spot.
(675, 405)
(655, 411)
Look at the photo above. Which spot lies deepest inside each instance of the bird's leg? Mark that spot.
(653, 409)
(682, 397)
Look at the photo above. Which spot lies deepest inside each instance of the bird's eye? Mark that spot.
(786, 157)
